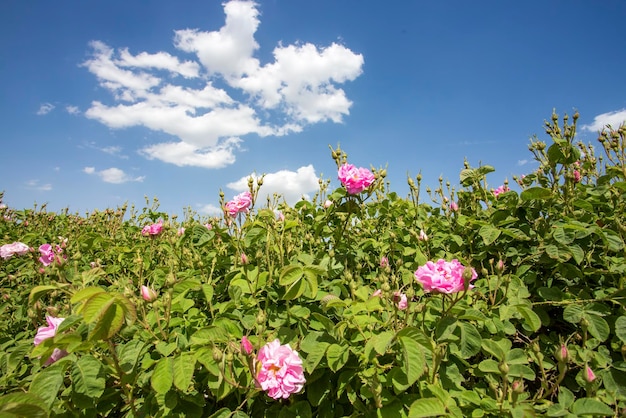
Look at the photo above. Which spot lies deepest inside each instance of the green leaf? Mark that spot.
(598, 327)
(470, 339)
(590, 406)
(290, 274)
(620, 328)
(315, 355)
(163, 375)
(38, 291)
(183, 368)
(47, 382)
(413, 363)
(88, 377)
(128, 354)
(489, 366)
(563, 236)
(489, 234)
(536, 193)
(22, 405)
(86, 293)
(427, 407)
(521, 370)
(337, 356)
(573, 313)
(531, 320)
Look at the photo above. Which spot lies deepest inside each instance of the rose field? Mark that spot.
(464, 300)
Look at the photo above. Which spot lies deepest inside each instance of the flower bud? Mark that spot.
(518, 386)
(504, 368)
(148, 294)
(261, 318)
(589, 375)
(217, 354)
(246, 345)
(561, 354)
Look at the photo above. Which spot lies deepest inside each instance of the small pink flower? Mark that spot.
(423, 236)
(384, 262)
(240, 203)
(589, 376)
(454, 207)
(327, 204)
(280, 370)
(576, 176)
(355, 180)
(400, 300)
(152, 229)
(246, 345)
(244, 258)
(208, 226)
(562, 354)
(43, 333)
(377, 293)
(443, 276)
(279, 216)
(148, 294)
(47, 254)
(16, 248)
(181, 231)
(500, 190)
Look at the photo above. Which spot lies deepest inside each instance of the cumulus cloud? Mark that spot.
(72, 110)
(615, 119)
(113, 175)
(291, 185)
(210, 210)
(45, 108)
(298, 88)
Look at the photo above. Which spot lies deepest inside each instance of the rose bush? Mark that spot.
(514, 303)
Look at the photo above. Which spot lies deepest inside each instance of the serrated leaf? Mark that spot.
(590, 406)
(620, 328)
(162, 376)
(573, 313)
(489, 234)
(337, 356)
(183, 368)
(88, 377)
(470, 339)
(427, 407)
(128, 354)
(22, 405)
(38, 291)
(86, 293)
(535, 193)
(47, 382)
(290, 274)
(598, 327)
(531, 319)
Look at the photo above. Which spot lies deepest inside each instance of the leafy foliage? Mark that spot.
(542, 332)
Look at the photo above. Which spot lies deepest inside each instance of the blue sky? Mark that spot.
(107, 102)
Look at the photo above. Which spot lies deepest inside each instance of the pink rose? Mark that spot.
(47, 254)
(454, 206)
(181, 231)
(377, 293)
(500, 190)
(443, 276)
(246, 345)
(240, 203)
(384, 262)
(148, 294)
(423, 236)
(327, 204)
(576, 176)
(16, 248)
(400, 300)
(355, 180)
(280, 370)
(43, 333)
(153, 229)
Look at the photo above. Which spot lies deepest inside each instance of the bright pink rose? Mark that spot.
(454, 206)
(47, 254)
(280, 370)
(246, 345)
(43, 333)
(400, 300)
(240, 203)
(443, 276)
(355, 180)
(500, 190)
(576, 176)
(16, 248)
(153, 229)
(148, 294)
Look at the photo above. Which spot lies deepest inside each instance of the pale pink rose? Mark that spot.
(454, 207)
(47, 254)
(589, 376)
(16, 248)
(279, 216)
(423, 236)
(280, 370)
(153, 229)
(443, 276)
(355, 180)
(377, 293)
(244, 258)
(148, 294)
(240, 203)
(400, 300)
(208, 226)
(384, 262)
(246, 345)
(181, 231)
(43, 333)
(327, 204)
(500, 190)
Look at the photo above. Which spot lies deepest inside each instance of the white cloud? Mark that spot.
(292, 185)
(615, 119)
(35, 184)
(210, 210)
(113, 175)
(72, 110)
(522, 162)
(45, 108)
(298, 88)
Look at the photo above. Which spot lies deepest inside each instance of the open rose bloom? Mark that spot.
(355, 180)
(43, 333)
(154, 229)
(240, 203)
(16, 248)
(279, 370)
(443, 276)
